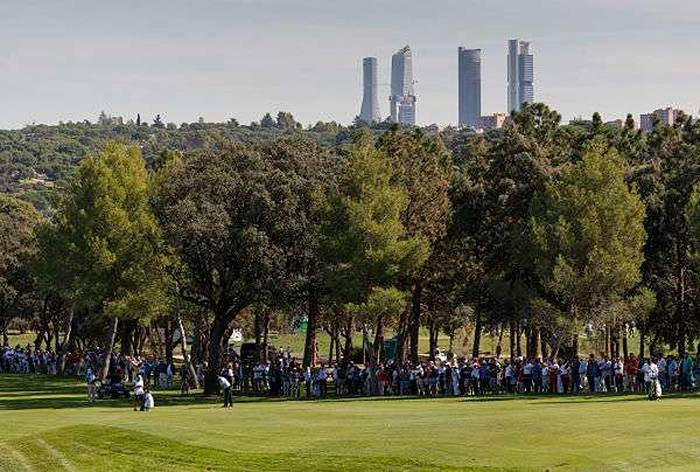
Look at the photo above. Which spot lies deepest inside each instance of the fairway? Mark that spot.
(47, 426)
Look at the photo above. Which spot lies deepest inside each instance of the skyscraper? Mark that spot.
(520, 74)
(402, 102)
(370, 100)
(469, 85)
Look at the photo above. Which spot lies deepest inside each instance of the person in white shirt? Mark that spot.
(148, 402)
(225, 386)
(139, 392)
(654, 385)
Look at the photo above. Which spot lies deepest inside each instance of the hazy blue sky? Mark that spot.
(67, 60)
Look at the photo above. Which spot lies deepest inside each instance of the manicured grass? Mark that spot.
(47, 426)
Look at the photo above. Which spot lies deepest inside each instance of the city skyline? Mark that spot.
(224, 58)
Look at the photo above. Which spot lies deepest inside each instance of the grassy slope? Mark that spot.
(47, 426)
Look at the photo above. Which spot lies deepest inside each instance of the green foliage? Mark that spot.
(371, 245)
(382, 303)
(588, 232)
(18, 222)
(102, 249)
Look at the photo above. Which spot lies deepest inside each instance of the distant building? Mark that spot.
(494, 121)
(619, 123)
(402, 101)
(667, 116)
(521, 74)
(370, 100)
(469, 87)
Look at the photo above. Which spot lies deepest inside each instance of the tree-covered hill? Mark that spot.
(37, 157)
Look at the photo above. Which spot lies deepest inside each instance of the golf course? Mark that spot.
(48, 426)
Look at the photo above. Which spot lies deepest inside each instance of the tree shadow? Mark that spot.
(28, 392)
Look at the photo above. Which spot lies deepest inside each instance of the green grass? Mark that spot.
(47, 426)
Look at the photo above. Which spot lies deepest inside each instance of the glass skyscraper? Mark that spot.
(469, 87)
(521, 74)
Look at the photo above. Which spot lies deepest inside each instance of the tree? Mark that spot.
(268, 122)
(232, 217)
(158, 122)
(285, 121)
(421, 168)
(316, 173)
(367, 240)
(18, 222)
(381, 308)
(588, 234)
(101, 250)
(497, 178)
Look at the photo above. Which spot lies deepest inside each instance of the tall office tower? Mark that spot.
(402, 102)
(521, 74)
(370, 100)
(469, 85)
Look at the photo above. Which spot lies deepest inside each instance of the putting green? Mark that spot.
(47, 426)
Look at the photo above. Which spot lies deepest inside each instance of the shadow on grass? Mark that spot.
(28, 392)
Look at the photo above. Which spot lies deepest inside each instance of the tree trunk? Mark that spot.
(66, 344)
(379, 340)
(347, 333)
(477, 336)
(518, 345)
(538, 343)
(266, 333)
(416, 296)
(642, 335)
(185, 354)
(127, 336)
(682, 345)
(401, 335)
(215, 351)
(512, 340)
(311, 327)
(625, 347)
(432, 344)
(169, 331)
(332, 345)
(336, 335)
(573, 313)
(575, 345)
(110, 348)
(527, 334)
(257, 329)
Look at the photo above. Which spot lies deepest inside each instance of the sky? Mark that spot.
(64, 60)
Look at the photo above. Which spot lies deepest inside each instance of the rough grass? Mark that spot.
(47, 426)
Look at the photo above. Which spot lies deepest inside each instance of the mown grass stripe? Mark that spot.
(57, 455)
(14, 459)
